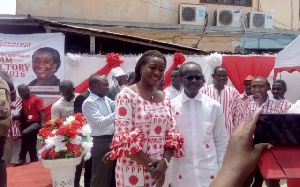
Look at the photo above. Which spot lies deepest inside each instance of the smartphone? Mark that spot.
(278, 129)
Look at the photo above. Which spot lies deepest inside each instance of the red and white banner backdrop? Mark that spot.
(41, 71)
(239, 67)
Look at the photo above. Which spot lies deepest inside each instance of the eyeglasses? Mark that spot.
(196, 77)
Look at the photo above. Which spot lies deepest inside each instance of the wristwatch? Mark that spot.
(167, 163)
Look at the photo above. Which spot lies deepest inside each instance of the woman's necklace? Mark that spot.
(151, 93)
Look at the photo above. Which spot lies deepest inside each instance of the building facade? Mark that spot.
(212, 25)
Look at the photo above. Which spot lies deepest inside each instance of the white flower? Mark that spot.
(89, 138)
(54, 131)
(87, 146)
(59, 144)
(87, 156)
(77, 140)
(49, 143)
(86, 130)
(73, 59)
(215, 59)
(70, 119)
(40, 152)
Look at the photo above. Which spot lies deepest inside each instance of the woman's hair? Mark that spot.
(143, 60)
(53, 52)
(282, 82)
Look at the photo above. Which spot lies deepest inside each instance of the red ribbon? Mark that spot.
(112, 59)
(177, 60)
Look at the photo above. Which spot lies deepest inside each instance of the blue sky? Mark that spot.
(8, 7)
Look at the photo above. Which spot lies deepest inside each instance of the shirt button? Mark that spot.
(207, 146)
(180, 177)
(212, 177)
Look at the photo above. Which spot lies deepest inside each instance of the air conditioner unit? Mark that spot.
(228, 17)
(191, 14)
(260, 20)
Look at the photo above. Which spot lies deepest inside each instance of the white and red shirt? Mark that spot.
(270, 106)
(201, 121)
(245, 99)
(231, 103)
(141, 125)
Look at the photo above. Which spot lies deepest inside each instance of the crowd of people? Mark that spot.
(189, 134)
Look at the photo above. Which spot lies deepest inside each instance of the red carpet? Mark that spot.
(28, 175)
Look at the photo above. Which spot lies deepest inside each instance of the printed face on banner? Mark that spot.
(36, 60)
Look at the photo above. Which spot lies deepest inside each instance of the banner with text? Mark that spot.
(34, 59)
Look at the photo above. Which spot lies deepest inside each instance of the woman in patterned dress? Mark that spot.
(145, 133)
(14, 132)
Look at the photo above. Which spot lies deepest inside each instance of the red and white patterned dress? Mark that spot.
(14, 130)
(141, 125)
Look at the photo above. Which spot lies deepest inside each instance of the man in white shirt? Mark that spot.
(99, 113)
(175, 89)
(201, 121)
(64, 107)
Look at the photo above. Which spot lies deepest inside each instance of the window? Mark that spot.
(229, 2)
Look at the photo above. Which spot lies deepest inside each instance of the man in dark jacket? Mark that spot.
(7, 84)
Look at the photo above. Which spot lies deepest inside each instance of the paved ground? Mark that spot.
(17, 145)
(282, 182)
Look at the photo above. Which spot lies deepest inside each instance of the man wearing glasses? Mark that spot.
(228, 97)
(201, 121)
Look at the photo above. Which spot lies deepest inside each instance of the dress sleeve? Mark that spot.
(127, 138)
(173, 138)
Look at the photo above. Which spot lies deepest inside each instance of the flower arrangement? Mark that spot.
(66, 139)
(215, 59)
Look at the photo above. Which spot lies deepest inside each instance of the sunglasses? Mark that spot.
(196, 77)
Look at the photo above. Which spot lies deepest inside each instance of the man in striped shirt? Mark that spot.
(247, 90)
(259, 88)
(228, 97)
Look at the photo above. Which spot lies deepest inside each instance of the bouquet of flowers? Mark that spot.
(66, 139)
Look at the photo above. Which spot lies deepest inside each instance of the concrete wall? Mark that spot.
(286, 12)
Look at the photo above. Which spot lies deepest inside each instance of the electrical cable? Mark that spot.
(245, 35)
(206, 22)
(158, 6)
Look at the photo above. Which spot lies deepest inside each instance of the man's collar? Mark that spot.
(72, 100)
(264, 103)
(95, 97)
(176, 89)
(185, 98)
(248, 96)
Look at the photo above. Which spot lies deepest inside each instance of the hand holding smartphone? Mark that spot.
(278, 129)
